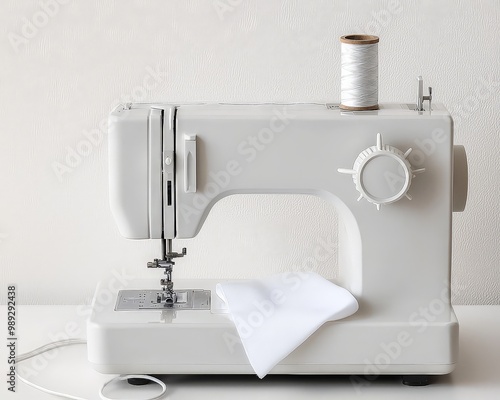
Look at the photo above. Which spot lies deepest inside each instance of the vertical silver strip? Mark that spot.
(155, 121)
(169, 173)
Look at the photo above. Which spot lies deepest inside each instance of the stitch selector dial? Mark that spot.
(382, 174)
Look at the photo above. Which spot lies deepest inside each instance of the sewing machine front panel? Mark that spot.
(399, 251)
(212, 151)
(298, 149)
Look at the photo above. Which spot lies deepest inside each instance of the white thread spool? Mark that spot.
(359, 78)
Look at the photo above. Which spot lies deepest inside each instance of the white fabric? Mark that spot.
(273, 316)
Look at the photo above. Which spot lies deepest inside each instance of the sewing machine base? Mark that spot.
(206, 342)
(408, 380)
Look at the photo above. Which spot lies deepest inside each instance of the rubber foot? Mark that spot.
(138, 381)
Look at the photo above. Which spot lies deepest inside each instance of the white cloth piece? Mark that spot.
(274, 316)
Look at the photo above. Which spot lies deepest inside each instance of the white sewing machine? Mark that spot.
(395, 177)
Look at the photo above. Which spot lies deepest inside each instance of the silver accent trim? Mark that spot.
(187, 299)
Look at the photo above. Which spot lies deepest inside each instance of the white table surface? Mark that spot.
(476, 377)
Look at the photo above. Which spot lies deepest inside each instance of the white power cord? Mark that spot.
(68, 342)
(48, 347)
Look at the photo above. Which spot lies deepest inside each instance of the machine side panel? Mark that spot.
(128, 171)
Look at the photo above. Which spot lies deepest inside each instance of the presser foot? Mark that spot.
(168, 297)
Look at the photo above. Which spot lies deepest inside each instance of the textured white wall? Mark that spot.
(63, 67)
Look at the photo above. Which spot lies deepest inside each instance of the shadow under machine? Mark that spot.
(393, 174)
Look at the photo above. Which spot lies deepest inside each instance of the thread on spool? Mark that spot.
(359, 77)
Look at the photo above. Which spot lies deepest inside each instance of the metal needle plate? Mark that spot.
(189, 299)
